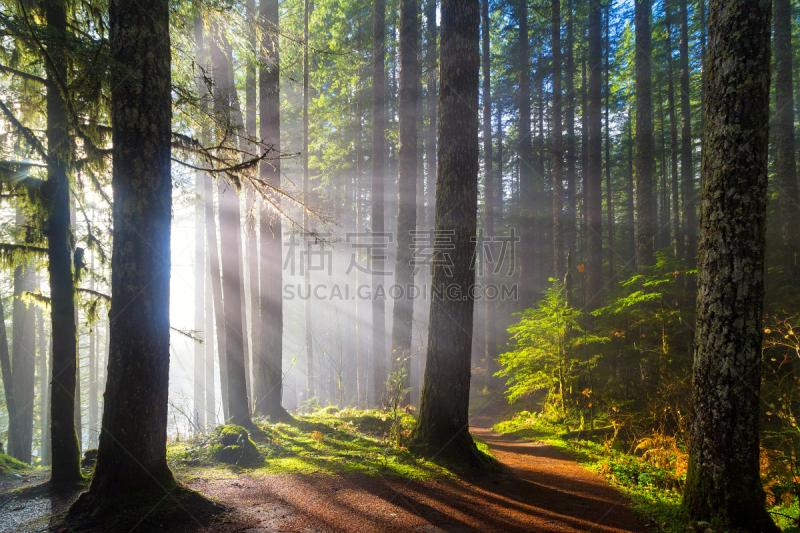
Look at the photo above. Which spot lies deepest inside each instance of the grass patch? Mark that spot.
(329, 441)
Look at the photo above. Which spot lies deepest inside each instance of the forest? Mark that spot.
(400, 265)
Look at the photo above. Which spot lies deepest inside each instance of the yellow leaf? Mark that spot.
(580, 268)
(316, 435)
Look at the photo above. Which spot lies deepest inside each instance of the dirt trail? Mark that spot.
(538, 489)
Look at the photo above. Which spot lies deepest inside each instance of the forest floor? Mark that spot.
(536, 488)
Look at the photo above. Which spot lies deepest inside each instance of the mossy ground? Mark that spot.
(9, 465)
(655, 492)
(328, 441)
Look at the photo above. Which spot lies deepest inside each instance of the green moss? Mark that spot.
(343, 442)
(9, 465)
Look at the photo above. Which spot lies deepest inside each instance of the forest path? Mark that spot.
(538, 488)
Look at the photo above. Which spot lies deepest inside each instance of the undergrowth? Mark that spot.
(330, 441)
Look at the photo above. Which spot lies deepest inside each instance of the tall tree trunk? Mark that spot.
(378, 170)
(420, 304)
(229, 228)
(362, 361)
(630, 212)
(132, 454)
(723, 484)
(252, 214)
(211, 396)
(216, 287)
(64, 439)
(785, 163)
(527, 255)
(687, 168)
(644, 135)
(443, 416)
(93, 390)
(677, 234)
(559, 267)
(44, 388)
(609, 189)
(432, 77)
(570, 211)
(199, 253)
(270, 355)
(306, 200)
(214, 317)
(403, 309)
(23, 355)
(489, 189)
(14, 434)
(593, 185)
(584, 160)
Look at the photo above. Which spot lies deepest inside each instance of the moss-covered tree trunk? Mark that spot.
(64, 439)
(403, 309)
(23, 350)
(645, 145)
(723, 485)
(785, 162)
(268, 372)
(443, 426)
(592, 186)
(133, 440)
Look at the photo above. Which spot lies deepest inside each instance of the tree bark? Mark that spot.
(133, 441)
(443, 426)
(723, 485)
(593, 185)
(785, 163)
(64, 439)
